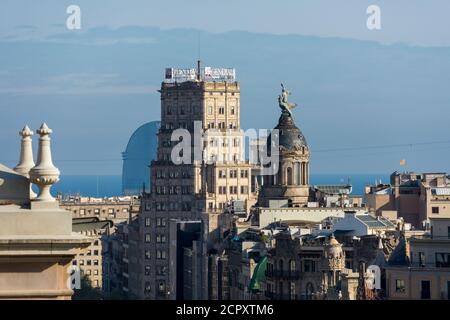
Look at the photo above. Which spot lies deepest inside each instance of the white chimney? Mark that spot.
(44, 173)
(26, 161)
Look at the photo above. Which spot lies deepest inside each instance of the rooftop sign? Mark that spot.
(220, 74)
(180, 75)
(208, 74)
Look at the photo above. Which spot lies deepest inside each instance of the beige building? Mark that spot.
(37, 244)
(96, 219)
(199, 187)
(426, 273)
(411, 196)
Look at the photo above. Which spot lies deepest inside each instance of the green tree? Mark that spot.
(86, 291)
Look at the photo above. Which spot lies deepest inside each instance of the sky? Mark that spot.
(368, 97)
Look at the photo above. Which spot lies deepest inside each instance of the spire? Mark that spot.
(44, 173)
(26, 161)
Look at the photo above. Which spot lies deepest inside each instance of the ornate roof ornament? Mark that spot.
(283, 102)
(44, 173)
(26, 161)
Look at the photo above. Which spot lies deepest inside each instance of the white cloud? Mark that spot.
(80, 84)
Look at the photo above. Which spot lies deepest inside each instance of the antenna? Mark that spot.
(199, 70)
(199, 46)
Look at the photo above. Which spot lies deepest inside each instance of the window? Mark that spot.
(160, 222)
(160, 254)
(162, 287)
(309, 265)
(221, 110)
(160, 238)
(244, 189)
(421, 259)
(88, 272)
(232, 110)
(95, 262)
(244, 173)
(210, 110)
(96, 272)
(147, 237)
(82, 211)
(400, 286)
(147, 254)
(435, 210)
(74, 262)
(147, 287)
(147, 222)
(96, 283)
(425, 292)
(81, 262)
(161, 270)
(147, 270)
(442, 260)
(292, 266)
(292, 291)
(448, 290)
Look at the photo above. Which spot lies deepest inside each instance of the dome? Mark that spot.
(290, 137)
(334, 248)
(140, 151)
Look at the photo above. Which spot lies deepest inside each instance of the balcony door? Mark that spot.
(425, 292)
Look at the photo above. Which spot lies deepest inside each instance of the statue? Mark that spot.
(285, 105)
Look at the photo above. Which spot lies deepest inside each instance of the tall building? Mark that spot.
(140, 151)
(206, 103)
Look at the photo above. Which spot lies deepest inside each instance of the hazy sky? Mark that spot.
(96, 85)
(410, 21)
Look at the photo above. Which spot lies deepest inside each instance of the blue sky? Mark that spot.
(387, 88)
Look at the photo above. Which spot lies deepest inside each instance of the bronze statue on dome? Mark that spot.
(285, 105)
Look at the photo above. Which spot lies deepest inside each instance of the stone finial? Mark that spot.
(26, 153)
(44, 173)
(26, 161)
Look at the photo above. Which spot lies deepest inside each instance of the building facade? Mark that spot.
(195, 183)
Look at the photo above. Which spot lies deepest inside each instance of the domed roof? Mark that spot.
(140, 151)
(290, 137)
(334, 248)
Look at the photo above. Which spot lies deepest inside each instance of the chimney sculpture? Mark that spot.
(26, 156)
(44, 173)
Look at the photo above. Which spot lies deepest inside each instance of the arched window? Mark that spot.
(292, 265)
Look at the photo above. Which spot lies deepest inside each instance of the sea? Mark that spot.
(108, 186)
